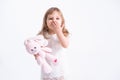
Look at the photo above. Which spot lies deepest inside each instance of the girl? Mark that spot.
(53, 29)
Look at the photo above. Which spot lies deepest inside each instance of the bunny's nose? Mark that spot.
(32, 50)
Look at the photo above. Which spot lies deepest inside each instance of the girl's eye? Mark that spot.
(50, 18)
(57, 18)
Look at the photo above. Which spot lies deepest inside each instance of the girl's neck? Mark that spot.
(51, 32)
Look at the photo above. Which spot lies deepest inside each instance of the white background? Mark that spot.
(94, 51)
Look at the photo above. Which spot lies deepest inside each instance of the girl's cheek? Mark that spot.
(48, 23)
(60, 23)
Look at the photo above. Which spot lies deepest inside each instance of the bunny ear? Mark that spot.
(39, 37)
(45, 42)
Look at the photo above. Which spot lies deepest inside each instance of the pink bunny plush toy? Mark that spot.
(38, 45)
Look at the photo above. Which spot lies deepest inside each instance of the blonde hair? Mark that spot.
(45, 28)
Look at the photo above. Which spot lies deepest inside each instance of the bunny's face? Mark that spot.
(34, 44)
(32, 47)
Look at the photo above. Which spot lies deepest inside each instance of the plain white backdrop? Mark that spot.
(94, 51)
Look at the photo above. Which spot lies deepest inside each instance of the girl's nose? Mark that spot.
(54, 19)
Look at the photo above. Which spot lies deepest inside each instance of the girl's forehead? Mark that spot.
(54, 13)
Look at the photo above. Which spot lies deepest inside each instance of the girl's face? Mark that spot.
(54, 17)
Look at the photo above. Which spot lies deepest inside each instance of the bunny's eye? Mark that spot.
(34, 47)
(31, 49)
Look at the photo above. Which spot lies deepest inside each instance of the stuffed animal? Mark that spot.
(38, 46)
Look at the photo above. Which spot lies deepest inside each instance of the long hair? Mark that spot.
(45, 28)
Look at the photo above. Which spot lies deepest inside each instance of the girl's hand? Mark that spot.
(56, 26)
(36, 56)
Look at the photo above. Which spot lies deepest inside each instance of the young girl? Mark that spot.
(53, 29)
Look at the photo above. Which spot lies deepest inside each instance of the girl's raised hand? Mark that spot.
(56, 26)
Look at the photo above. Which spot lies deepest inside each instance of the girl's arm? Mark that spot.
(58, 30)
(63, 40)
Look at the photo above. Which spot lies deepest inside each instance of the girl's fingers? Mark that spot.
(54, 23)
